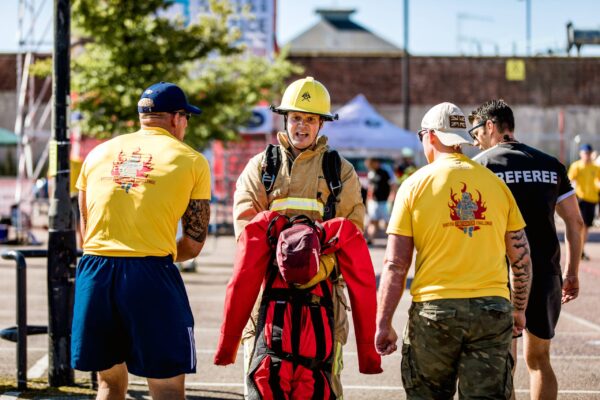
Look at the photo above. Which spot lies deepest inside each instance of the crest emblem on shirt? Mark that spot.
(131, 170)
(466, 213)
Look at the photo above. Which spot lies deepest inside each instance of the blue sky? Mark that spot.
(437, 27)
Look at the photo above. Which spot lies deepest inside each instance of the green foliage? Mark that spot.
(127, 45)
(42, 67)
(233, 85)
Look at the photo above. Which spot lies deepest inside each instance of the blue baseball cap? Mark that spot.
(165, 97)
(585, 147)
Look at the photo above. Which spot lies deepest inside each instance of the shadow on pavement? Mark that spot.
(38, 389)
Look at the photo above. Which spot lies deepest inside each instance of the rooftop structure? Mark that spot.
(337, 34)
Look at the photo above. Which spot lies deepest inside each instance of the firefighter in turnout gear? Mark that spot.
(302, 176)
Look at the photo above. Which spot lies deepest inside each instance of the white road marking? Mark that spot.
(39, 368)
(208, 329)
(581, 321)
(347, 353)
(398, 354)
(347, 387)
(217, 329)
(12, 349)
(9, 395)
(204, 298)
(212, 329)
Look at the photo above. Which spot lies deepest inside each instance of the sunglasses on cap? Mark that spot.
(422, 133)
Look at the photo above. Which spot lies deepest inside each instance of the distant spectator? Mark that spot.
(40, 190)
(380, 186)
(407, 166)
(585, 176)
(596, 158)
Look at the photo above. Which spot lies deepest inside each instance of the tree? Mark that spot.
(127, 45)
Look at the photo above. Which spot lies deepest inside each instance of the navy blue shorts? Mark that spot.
(133, 310)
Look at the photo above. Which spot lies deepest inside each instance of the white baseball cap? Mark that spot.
(449, 123)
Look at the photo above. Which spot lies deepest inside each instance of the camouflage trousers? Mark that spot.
(458, 339)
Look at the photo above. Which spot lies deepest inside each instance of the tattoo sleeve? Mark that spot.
(82, 213)
(195, 220)
(517, 250)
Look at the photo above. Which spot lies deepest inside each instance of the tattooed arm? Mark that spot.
(82, 214)
(517, 250)
(396, 263)
(195, 226)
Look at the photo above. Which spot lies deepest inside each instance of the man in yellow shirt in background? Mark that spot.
(462, 220)
(585, 176)
(131, 313)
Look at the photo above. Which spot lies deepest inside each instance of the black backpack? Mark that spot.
(332, 170)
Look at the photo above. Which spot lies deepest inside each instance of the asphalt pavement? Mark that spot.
(575, 349)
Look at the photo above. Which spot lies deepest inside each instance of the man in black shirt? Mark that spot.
(540, 186)
(378, 193)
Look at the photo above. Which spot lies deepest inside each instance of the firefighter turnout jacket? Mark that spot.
(300, 187)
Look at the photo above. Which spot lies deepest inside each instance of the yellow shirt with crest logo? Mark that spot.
(457, 213)
(137, 188)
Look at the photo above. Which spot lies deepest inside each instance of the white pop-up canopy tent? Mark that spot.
(362, 131)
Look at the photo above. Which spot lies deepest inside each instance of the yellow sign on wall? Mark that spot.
(515, 70)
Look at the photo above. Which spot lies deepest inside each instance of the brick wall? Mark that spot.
(463, 80)
(8, 74)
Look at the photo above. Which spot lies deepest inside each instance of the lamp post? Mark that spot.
(61, 233)
(528, 25)
(405, 71)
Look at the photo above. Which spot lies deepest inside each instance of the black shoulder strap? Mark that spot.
(332, 169)
(270, 167)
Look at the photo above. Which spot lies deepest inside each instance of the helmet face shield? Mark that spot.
(306, 95)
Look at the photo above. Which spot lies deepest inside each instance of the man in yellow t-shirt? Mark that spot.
(585, 176)
(462, 220)
(131, 313)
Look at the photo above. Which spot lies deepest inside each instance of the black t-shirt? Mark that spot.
(537, 181)
(379, 180)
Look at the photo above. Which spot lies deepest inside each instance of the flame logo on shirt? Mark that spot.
(128, 172)
(465, 212)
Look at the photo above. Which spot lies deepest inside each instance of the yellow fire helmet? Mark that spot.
(306, 95)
